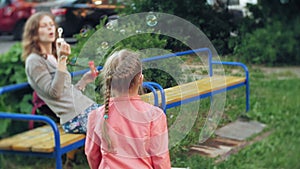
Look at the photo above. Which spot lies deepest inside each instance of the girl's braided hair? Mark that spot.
(120, 73)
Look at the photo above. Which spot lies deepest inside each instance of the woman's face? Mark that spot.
(46, 30)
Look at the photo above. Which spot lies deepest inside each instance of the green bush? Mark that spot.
(12, 67)
(271, 35)
(215, 25)
(273, 45)
(125, 36)
(12, 72)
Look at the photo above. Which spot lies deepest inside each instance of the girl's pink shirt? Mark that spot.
(138, 132)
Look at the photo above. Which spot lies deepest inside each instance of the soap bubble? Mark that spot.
(109, 25)
(122, 31)
(104, 45)
(151, 20)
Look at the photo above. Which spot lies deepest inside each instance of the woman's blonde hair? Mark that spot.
(31, 37)
(120, 73)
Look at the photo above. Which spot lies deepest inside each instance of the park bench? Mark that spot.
(205, 87)
(51, 142)
(48, 140)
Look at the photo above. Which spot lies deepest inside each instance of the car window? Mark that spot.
(106, 2)
(39, 0)
(231, 2)
(97, 2)
(51, 0)
(234, 2)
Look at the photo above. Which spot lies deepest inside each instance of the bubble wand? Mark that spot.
(93, 69)
(59, 40)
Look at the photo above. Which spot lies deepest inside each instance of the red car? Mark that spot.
(13, 15)
(75, 16)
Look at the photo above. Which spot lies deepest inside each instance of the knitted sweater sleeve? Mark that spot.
(39, 76)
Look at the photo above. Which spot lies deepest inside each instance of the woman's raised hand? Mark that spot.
(63, 51)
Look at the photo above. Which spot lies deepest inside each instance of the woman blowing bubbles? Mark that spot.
(47, 73)
(126, 132)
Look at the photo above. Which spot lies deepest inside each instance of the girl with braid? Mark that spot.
(126, 132)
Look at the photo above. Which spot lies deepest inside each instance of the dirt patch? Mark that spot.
(198, 71)
(281, 72)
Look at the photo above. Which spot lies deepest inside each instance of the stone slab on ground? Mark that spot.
(240, 130)
(230, 139)
(215, 147)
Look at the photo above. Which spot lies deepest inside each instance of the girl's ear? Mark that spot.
(141, 79)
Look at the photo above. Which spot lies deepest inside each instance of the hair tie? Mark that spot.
(105, 116)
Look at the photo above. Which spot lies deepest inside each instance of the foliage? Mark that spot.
(281, 10)
(12, 69)
(90, 44)
(271, 35)
(272, 45)
(12, 72)
(215, 25)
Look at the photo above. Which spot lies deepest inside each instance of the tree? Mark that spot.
(271, 35)
(216, 25)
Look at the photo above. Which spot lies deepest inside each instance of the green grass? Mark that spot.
(274, 102)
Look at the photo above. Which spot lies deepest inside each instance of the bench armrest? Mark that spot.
(234, 64)
(45, 119)
(153, 86)
(247, 82)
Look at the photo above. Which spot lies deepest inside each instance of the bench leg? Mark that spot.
(58, 159)
(247, 96)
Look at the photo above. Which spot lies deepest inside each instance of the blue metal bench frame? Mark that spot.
(59, 151)
(211, 63)
(153, 87)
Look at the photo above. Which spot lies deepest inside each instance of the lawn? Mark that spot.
(274, 102)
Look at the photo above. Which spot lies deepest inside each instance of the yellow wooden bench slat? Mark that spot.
(27, 144)
(31, 141)
(196, 88)
(199, 87)
(65, 139)
(40, 139)
(148, 98)
(7, 143)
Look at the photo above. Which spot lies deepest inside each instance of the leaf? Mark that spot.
(4, 125)
(25, 104)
